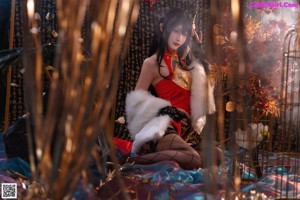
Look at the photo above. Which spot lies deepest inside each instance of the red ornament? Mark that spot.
(151, 3)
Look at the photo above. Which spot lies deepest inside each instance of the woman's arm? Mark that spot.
(147, 74)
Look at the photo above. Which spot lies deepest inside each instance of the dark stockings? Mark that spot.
(170, 147)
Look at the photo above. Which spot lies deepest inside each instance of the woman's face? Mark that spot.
(176, 38)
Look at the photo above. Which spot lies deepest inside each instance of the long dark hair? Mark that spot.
(170, 21)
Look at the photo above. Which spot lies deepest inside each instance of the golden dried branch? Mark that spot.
(82, 92)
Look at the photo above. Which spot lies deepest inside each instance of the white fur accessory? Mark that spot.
(143, 123)
(202, 97)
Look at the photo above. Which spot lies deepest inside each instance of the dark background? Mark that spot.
(4, 31)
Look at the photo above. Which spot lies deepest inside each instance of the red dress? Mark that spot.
(175, 88)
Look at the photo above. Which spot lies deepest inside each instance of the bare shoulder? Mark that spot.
(149, 67)
(148, 73)
(150, 62)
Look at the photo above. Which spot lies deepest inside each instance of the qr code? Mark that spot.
(8, 190)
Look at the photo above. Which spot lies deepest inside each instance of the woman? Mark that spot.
(161, 125)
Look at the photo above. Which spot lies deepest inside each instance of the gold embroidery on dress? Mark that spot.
(182, 78)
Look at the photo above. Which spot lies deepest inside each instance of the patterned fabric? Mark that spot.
(173, 112)
(176, 115)
(170, 147)
(186, 130)
(16, 107)
(182, 78)
(177, 74)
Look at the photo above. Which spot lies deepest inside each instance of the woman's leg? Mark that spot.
(172, 147)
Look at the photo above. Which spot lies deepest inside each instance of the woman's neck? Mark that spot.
(171, 51)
